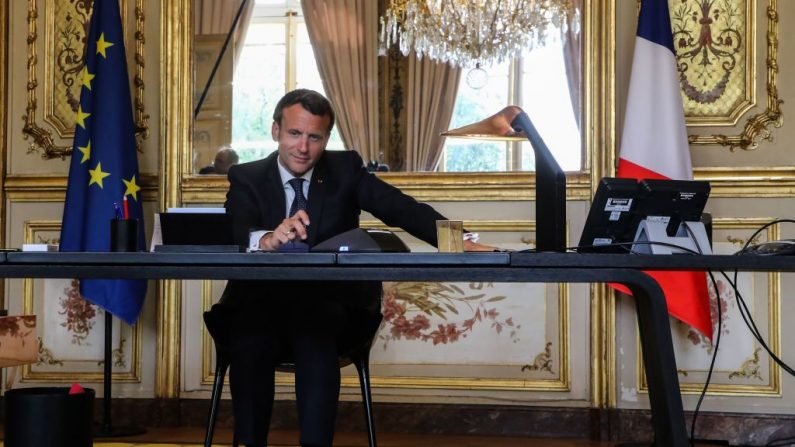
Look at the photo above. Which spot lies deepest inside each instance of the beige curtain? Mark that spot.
(432, 88)
(344, 36)
(572, 57)
(216, 17)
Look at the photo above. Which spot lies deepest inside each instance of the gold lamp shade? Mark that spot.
(495, 127)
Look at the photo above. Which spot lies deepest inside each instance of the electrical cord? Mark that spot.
(716, 345)
(749, 321)
(742, 306)
(743, 309)
(745, 313)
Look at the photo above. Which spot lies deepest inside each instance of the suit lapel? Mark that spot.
(274, 194)
(317, 188)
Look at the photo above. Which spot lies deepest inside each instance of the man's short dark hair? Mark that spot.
(312, 101)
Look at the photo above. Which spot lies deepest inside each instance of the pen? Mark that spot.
(126, 208)
(117, 210)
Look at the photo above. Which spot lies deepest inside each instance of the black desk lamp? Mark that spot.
(512, 123)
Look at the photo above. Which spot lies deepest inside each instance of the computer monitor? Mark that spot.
(620, 204)
(612, 217)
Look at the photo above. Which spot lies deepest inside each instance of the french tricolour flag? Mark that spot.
(654, 145)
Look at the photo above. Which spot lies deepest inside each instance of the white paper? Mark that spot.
(39, 247)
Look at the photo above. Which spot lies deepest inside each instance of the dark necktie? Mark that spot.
(299, 202)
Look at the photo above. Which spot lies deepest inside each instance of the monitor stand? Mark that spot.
(692, 236)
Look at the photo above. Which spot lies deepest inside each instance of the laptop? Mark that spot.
(197, 232)
(361, 240)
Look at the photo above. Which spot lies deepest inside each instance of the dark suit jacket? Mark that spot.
(339, 190)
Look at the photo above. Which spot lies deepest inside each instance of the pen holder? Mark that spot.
(450, 236)
(124, 235)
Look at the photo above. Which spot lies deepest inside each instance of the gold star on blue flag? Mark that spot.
(104, 163)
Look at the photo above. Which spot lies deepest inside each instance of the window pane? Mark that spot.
(545, 98)
(472, 105)
(306, 73)
(476, 104)
(257, 88)
(467, 155)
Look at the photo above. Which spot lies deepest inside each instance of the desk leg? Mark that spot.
(659, 362)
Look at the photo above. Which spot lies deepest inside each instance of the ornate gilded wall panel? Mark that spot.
(65, 25)
(716, 58)
(71, 329)
(715, 45)
(445, 335)
(742, 367)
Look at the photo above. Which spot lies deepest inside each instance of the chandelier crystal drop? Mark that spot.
(470, 33)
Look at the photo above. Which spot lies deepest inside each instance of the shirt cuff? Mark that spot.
(469, 236)
(254, 237)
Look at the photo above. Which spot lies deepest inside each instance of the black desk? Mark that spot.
(658, 356)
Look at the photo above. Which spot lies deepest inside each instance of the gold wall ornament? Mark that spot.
(117, 355)
(77, 363)
(752, 375)
(542, 361)
(66, 25)
(139, 112)
(46, 357)
(715, 57)
(757, 127)
(749, 368)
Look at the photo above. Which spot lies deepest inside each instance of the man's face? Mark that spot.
(302, 138)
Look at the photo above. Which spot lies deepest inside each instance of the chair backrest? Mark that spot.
(355, 344)
(355, 352)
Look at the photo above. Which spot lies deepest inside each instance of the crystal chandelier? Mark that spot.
(470, 33)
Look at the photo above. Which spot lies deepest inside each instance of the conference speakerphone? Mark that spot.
(626, 210)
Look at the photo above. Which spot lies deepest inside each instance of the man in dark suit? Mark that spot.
(310, 321)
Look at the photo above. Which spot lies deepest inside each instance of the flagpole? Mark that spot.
(106, 429)
(123, 237)
(107, 374)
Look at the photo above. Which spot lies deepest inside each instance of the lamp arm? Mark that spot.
(550, 190)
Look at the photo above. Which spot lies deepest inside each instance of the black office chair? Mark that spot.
(359, 355)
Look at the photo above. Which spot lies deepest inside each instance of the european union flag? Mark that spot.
(104, 166)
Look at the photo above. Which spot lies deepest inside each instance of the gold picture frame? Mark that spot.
(58, 97)
(733, 30)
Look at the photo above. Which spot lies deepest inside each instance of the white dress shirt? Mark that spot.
(289, 196)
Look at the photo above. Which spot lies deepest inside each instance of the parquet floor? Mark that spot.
(189, 437)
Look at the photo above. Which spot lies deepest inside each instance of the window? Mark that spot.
(276, 58)
(537, 83)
